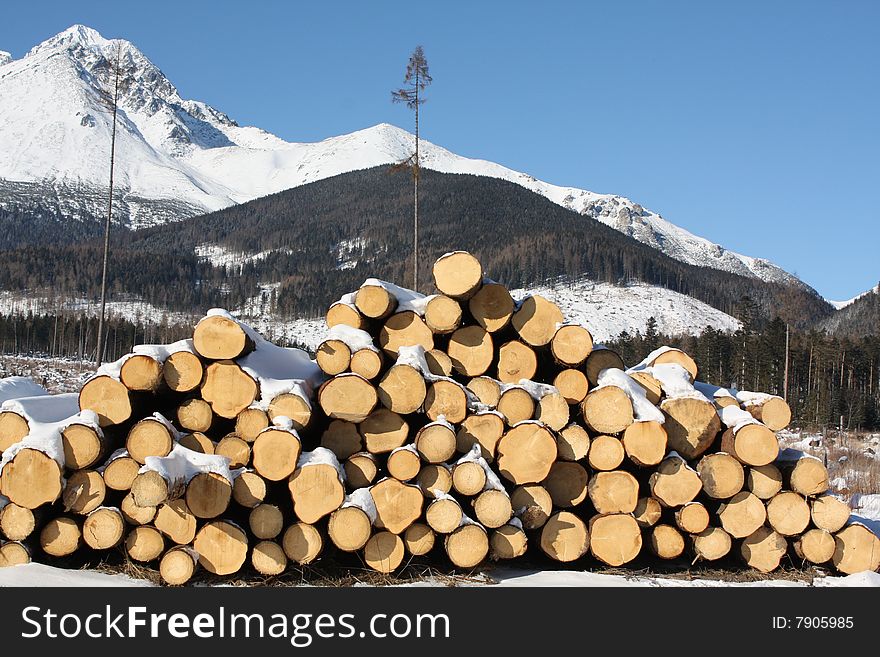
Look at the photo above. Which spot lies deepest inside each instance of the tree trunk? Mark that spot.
(606, 453)
(222, 547)
(178, 565)
(773, 412)
(712, 544)
(418, 539)
(195, 415)
(228, 388)
(266, 521)
(600, 359)
(446, 398)
(404, 329)
(141, 373)
(108, 398)
(250, 422)
(722, 476)
(607, 410)
(275, 453)
(675, 483)
(536, 320)
(302, 543)
(434, 480)
(220, 338)
(763, 549)
(31, 479)
(645, 443)
(532, 504)
(492, 307)
(366, 363)
(615, 539)
(816, 546)
(401, 390)
(14, 554)
(403, 463)
(398, 505)
(764, 481)
(17, 522)
(249, 489)
(572, 443)
(458, 275)
(183, 371)
(442, 314)
(176, 522)
(666, 542)
(345, 314)
(120, 473)
(384, 552)
(742, 515)
(268, 558)
(144, 544)
(493, 508)
(435, 442)
(208, 494)
(525, 453)
(692, 518)
(83, 492)
(235, 449)
(508, 542)
(691, 425)
(614, 492)
(516, 405)
(856, 549)
(342, 438)
(61, 536)
(349, 528)
(572, 384)
(487, 390)
(333, 357)
(829, 513)
(316, 491)
(567, 484)
(571, 344)
(752, 444)
(384, 431)
(360, 470)
(103, 528)
(484, 429)
(788, 513)
(553, 411)
(149, 437)
(444, 515)
(807, 476)
(516, 361)
(471, 350)
(375, 302)
(647, 512)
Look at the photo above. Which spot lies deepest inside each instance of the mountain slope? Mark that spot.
(178, 158)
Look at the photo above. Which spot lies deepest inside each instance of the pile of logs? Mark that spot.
(463, 425)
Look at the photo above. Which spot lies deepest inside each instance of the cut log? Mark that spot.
(566, 483)
(516, 405)
(712, 544)
(60, 536)
(418, 539)
(266, 521)
(553, 411)
(293, 406)
(691, 425)
(615, 539)
(467, 546)
(183, 371)
(275, 453)
(435, 442)
(508, 542)
(103, 528)
(31, 479)
(647, 512)
(403, 464)
(532, 504)
(316, 490)
(375, 301)
(492, 307)
(829, 513)
(856, 549)
(444, 515)
(360, 470)
(645, 443)
(13, 427)
(249, 489)
(536, 319)
(484, 429)
(571, 344)
(398, 505)
(250, 422)
(487, 390)
(13, 554)
(149, 437)
(678, 357)
(83, 446)
(492, 508)
(446, 398)
(235, 449)
(752, 444)
(347, 315)
(349, 528)
(439, 362)
(150, 488)
(471, 350)
(807, 476)
(141, 373)
(653, 389)
(434, 480)
(134, 514)
(816, 546)
(607, 410)
(217, 337)
(268, 558)
(764, 481)
(722, 476)
(606, 453)
(675, 483)
(208, 494)
(383, 431)
(773, 412)
(84, 492)
(763, 549)
(572, 384)
(458, 274)
(366, 363)
(176, 522)
(383, 552)
(108, 398)
(333, 357)
(468, 478)
(144, 544)
(404, 329)
(572, 443)
(692, 518)
(614, 492)
(516, 361)
(178, 565)
(788, 513)
(600, 359)
(17, 522)
(302, 543)
(742, 514)
(401, 390)
(666, 542)
(342, 438)
(221, 546)
(119, 474)
(526, 453)
(228, 388)
(565, 537)
(442, 314)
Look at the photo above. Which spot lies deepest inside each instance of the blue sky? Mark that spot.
(754, 124)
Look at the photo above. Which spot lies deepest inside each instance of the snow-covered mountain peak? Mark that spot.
(73, 36)
(5, 57)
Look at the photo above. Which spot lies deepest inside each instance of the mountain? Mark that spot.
(840, 305)
(179, 158)
(859, 317)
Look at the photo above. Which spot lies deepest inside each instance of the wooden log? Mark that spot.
(606, 453)
(516, 361)
(13, 554)
(149, 437)
(666, 542)
(442, 314)
(607, 410)
(268, 558)
(653, 389)
(763, 549)
(600, 359)
(742, 514)
(807, 476)
(398, 505)
(508, 542)
(403, 463)
(346, 314)
(141, 373)
(250, 422)
(17, 522)
(119, 474)
(360, 470)
(788, 513)
(349, 528)
(275, 453)
(572, 443)
(302, 543)
(316, 490)
(564, 537)
(333, 357)
(468, 478)
(103, 528)
(722, 476)
(675, 483)
(31, 479)
(645, 443)
(197, 442)
(151, 488)
(553, 411)
(471, 350)
(566, 483)
(144, 544)
(402, 390)
(487, 390)
(435, 442)
(492, 307)
(525, 453)
(108, 398)
(712, 544)
(691, 425)
(816, 546)
(208, 494)
(439, 362)
(829, 513)
(375, 301)
(647, 512)
(772, 411)
(84, 492)
(446, 398)
(536, 319)
(235, 449)
(615, 539)
(571, 344)
(444, 515)
(856, 549)
(483, 429)
(293, 406)
(266, 521)
(532, 504)
(418, 539)
(218, 337)
(176, 522)
(83, 446)
(678, 357)
(366, 363)
(178, 565)
(572, 384)
(383, 431)
(764, 481)
(467, 546)
(222, 547)
(342, 438)
(614, 492)
(751, 444)
(134, 514)
(457, 274)
(384, 552)
(60, 536)
(516, 405)
(228, 388)
(183, 371)
(434, 480)
(13, 428)
(405, 329)
(249, 489)
(493, 508)
(692, 518)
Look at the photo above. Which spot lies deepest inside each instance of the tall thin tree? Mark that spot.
(415, 82)
(100, 346)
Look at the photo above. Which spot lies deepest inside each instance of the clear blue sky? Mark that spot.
(754, 124)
